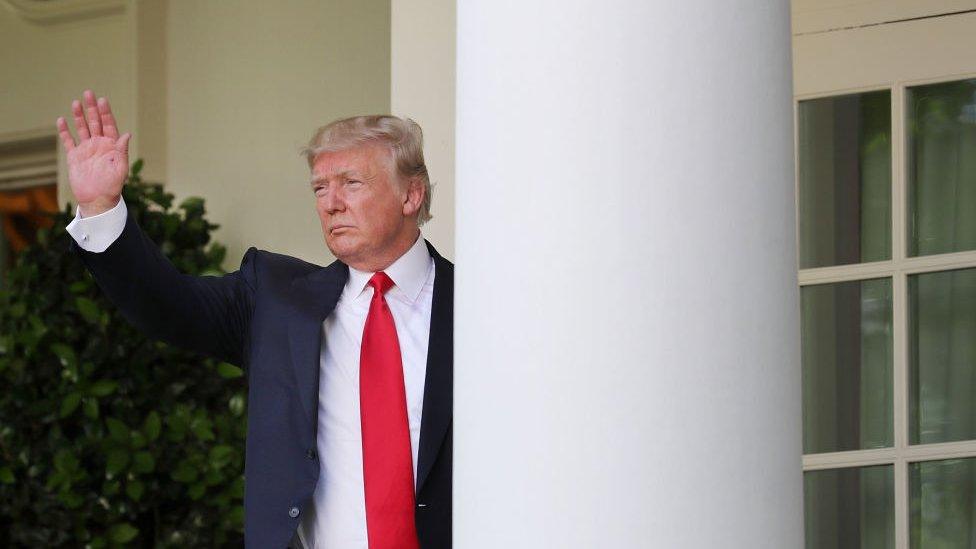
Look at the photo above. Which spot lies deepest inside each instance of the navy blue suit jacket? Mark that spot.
(267, 317)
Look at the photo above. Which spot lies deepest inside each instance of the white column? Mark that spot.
(627, 365)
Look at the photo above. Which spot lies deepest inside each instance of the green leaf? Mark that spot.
(70, 404)
(138, 439)
(229, 371)
(143, 462)
(65, 461)
(78, 287)
(117, 429)
(123, 533)
(196, 491)
(221, 455)
(103, 387)
(89, 309)
(17, 310)
(134, 489)
(117, 460)
(152, 426)
(65, 353)
(236, 404)
(90, 407)
(193, 205)
(236, 515)
(184, 473)
(111, 487)
(71, 500)
(202, 428)
(37, 325)
(6, 475)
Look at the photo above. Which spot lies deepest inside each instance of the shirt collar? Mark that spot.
(408, 272)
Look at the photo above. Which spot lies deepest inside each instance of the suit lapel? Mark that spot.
(315, 298)
(439, 382)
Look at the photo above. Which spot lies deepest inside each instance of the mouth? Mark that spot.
(338, 228)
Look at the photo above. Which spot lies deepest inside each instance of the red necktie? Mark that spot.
(387, 460)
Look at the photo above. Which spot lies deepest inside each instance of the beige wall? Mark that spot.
(422, 75)
(248, 83)
(879, 55)
(812, 16)
(220, 96)
(44, 66)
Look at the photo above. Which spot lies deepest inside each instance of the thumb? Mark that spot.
(122, 145)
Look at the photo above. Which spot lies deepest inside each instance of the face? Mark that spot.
(368, 213)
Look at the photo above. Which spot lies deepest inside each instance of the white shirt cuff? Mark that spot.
(98, 232)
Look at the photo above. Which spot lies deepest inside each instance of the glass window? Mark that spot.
(850, 329)
(943, 503)
(942, 356)
(845, 179)
(942, 168)
(847, 361)
(849, 508)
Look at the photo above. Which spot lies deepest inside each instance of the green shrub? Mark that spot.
(108, 438)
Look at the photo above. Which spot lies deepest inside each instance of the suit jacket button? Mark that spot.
(293, 512)
(310, 453)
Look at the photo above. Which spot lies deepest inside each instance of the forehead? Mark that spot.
(362, 159)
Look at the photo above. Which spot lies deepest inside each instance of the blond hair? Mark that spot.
(403, 136)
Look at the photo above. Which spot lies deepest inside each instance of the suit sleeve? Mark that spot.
(207, 314)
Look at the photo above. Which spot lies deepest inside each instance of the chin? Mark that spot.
(343, 251)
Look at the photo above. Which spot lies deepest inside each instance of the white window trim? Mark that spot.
(899, 268)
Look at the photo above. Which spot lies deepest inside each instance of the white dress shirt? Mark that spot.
(337, 517)
(98, 232)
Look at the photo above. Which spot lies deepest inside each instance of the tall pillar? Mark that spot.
(627, 365)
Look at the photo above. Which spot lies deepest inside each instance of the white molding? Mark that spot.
(27, 135)
(57, 11)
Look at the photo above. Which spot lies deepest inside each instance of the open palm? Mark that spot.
(99, 161)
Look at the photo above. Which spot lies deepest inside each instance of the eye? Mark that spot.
(354, 182)
(319, 190)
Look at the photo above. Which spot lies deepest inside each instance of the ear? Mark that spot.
(414, 197)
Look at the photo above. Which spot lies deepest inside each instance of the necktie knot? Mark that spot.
(381, 282)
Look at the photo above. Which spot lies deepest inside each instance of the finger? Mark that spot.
(80, 125)
(122, 145)
(66, 139)
(91, 113)
(107, 118)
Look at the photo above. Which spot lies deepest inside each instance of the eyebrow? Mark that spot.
(343, 174)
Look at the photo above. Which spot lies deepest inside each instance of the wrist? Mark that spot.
(98, 206)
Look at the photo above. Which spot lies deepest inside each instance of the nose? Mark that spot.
(332, 200)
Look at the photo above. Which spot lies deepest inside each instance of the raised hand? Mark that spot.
(99, 161)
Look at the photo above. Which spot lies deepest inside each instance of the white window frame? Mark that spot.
(898, 269)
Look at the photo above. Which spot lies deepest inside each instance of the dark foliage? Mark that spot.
(108, 438)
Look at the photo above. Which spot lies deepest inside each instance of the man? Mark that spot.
(349, 366)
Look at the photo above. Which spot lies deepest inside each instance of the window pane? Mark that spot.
(942, 168)
(845, 179)
(943, 504)
(849, 508)
(846, 361)
(942, 356)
